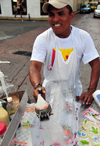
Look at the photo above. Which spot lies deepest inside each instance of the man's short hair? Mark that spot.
(70, 9)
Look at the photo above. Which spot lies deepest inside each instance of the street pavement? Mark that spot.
(16, 42)
(10, 28)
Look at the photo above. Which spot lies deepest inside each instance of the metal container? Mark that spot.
(44, 113)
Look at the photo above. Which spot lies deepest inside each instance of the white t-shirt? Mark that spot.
(44, 49)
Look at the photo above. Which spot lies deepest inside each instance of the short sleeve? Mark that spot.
(39, 50)
(89, 53)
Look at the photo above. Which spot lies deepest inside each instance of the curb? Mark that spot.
(27, 19)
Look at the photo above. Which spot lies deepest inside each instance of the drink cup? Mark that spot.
(96, 96)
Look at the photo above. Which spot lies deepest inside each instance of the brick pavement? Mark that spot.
(22, 42)
(91, 25)
(18, 69)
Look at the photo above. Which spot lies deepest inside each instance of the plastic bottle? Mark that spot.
(3, 128)
(4, 117)
(11, 108)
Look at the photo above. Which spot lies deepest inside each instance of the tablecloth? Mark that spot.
(23, 134)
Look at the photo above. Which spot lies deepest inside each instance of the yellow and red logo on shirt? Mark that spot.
(65, 53)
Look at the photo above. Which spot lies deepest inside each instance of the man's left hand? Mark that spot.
(86, 97)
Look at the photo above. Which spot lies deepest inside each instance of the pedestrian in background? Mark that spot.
(18, 9)
(21, 6)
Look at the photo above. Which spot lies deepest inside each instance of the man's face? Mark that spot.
(60, 20)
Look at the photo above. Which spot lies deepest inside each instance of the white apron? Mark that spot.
(64, 70)
(59, 93)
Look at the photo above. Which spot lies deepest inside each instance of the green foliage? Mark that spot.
(85, 121)
(94, 130)
(84, 142)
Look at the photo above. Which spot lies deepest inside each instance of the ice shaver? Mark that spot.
(42, 109)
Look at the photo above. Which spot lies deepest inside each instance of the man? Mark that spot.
(62, 48)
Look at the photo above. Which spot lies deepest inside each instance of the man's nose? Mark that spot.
(56, 18)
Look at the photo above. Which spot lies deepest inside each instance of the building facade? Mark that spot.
(32, 8)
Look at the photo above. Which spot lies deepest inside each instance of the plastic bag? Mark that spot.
(5, 86)
(60, 128)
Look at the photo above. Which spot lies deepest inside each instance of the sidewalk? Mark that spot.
(28, 19)
(24, 19)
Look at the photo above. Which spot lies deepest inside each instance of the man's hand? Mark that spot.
(86, 97)
(35, 93)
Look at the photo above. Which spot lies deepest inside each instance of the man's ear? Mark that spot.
(72, 16)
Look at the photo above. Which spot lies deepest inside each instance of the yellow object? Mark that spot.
(4, 117)
(66, 53)
(93, 4)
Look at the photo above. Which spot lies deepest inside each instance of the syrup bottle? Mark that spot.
(4, 117)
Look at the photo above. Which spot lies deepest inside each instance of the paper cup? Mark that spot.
(96, 96)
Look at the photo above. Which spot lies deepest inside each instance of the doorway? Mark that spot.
(14, 7)
(41, 5)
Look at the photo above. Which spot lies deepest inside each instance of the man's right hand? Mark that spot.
(36, 92)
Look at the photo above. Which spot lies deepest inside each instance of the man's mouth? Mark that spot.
(56, 25)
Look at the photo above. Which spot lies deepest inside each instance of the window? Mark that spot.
(14, 7)
(41, 5)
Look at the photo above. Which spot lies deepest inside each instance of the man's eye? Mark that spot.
(61, 14)
(50, 15)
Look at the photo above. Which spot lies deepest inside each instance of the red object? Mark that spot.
(53, 56)
(67, 56)
(3, 128)
(44, 92)
(56, 144)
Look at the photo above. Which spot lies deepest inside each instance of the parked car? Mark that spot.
(85, 9)
(93, 5)
(99, 2)
(97, 11)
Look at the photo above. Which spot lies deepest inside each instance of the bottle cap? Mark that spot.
(3, 128)
(9, 99)
(0, 103)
